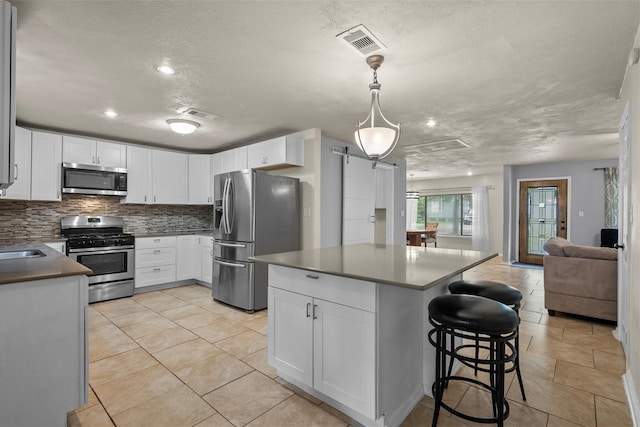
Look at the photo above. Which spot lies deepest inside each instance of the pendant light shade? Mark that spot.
(412, 194)
(376, 136)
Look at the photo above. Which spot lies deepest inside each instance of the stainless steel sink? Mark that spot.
(24, 253)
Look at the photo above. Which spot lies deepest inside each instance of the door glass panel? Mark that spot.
(542, 217)
(105, 263)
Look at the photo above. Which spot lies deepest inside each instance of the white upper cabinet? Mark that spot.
(200, 179)
(170, 177)
(276, 153)
(230, 160)
(91, 152)
(21, 187)
(138, 175)
(46, 173)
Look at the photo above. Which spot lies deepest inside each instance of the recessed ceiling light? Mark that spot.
(182, 127)
(110, 113)
(431, 123)
(166, 69)
(469, 173)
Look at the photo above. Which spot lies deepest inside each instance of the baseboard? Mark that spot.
(398, 416)
(632, 398)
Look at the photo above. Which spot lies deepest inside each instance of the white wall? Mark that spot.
(466, 182)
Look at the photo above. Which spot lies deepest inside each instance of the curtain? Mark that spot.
(412, 214)
(480, 220)
(610, 197)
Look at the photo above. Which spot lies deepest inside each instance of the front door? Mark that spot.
(543, 215)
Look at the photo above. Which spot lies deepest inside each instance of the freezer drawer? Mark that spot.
(226, 249)
(233, 283)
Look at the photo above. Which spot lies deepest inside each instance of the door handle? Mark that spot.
(308, 307)
(229, 264)
(15, 178)
(315, 313)
(312, 276)
(618, 245)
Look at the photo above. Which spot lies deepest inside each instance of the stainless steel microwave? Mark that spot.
(90, 179)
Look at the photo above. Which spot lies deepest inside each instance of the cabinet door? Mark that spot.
(46, 170)
(290, 334)
(111, 155)
(239, 158)
(206, 264)
(79, 150)
(257, 155)
(276, 151)
(185, 256)
(344, 355)
(138, 175)
(170, 172)
(21, 187)
(200, 179)
(216, 165)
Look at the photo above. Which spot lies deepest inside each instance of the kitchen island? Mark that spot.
(348, 324)
(43, 335)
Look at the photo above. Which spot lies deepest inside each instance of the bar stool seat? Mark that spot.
(500, 292)
(492, 325)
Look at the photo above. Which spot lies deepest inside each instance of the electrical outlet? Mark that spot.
(580, 214)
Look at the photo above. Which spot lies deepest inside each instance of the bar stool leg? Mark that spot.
(438, 386)
(517, 362)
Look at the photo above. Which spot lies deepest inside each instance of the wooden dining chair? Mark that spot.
(431, 234)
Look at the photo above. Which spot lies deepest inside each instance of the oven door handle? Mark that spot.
(229, 264)
(100, 251)
(231, 245)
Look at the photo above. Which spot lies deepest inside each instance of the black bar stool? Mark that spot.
(500, 292)
(492, 325)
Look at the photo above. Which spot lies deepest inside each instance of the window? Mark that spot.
(452, 212)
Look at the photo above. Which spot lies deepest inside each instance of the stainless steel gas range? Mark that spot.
(98, 242)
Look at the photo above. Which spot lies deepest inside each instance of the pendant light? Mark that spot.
(412, 194)
(376, 136)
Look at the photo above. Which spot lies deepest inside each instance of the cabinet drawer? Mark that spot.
(155, 275)
(155, 257)
(155, 242)
(341, 290)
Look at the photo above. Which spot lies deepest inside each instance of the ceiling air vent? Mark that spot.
(362, 40)
(199, 113)
(432, 147)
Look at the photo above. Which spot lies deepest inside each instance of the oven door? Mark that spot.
(107, 264)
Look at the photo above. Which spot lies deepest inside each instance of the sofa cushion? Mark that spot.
(555, 246)
(576, 251)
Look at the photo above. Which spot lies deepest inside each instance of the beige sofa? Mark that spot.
(580, 279)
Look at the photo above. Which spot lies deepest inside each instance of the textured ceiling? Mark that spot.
(519, 81)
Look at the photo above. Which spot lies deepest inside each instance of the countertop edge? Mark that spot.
(424, 287)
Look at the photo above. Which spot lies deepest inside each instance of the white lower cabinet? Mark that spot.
(186, 257)
(206, 259)
(318, 341)
(155, 261)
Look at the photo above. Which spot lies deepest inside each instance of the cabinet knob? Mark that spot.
(93, 160)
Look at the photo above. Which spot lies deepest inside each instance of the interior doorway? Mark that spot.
(543, 215)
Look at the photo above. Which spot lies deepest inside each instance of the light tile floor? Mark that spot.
(177, 358)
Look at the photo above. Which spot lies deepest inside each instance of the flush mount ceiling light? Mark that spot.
(412, 194)
(110, 113)
(166, 69)
(376, 136)
(182, 127)
(431, 122)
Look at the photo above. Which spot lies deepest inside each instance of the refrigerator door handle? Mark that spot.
(229, 264)
(225, 206)
(232, 245)
(230, 201)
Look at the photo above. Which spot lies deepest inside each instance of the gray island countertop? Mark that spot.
(407, 266)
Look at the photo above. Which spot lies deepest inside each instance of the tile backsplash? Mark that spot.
(30, 220)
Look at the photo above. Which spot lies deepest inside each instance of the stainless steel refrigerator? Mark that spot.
(254, 213)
